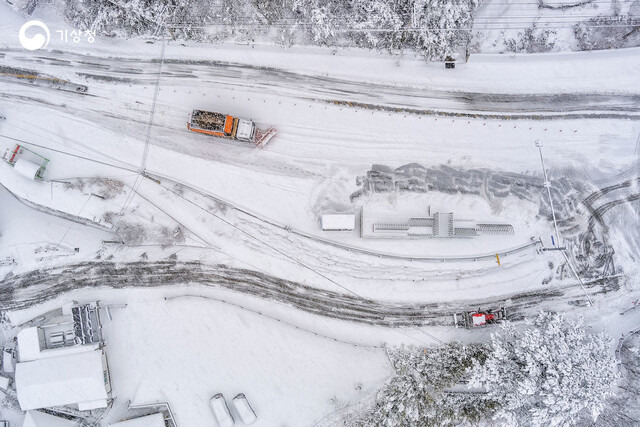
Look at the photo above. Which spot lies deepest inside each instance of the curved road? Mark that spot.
(23, 290)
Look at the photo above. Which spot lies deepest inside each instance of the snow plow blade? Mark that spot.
(264, 136)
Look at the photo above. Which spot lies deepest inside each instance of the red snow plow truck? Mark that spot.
(229, 127)
(474, 319)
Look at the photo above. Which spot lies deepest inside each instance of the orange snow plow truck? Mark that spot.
(226, 126)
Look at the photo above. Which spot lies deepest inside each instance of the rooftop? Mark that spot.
(72, 379)
(155, 420)
(40, 419)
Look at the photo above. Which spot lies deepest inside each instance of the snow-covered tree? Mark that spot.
(435, 28)
(607, 32)
(375, 24)
(548, 373)
(416, 394)
(532, 40)
(442, 26)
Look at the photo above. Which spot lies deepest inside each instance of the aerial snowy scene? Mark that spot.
(319, 213)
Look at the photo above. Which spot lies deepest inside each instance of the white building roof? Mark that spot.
(28, 344)
(74, 379)
(338, 222)
(4, 383)
(29, 347)
(155, 420)
(40, 419)
(26, 168)
(8, 362)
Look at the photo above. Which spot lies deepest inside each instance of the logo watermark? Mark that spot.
(43, 36)
(38, 41)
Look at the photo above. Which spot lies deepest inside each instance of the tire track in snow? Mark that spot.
(422, 100)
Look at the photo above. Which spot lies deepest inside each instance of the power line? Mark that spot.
(491, 26)
(143, 165)
(130, 169)
(262, 242)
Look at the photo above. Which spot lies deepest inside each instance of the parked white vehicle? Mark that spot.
(242, 407)
(221, 411)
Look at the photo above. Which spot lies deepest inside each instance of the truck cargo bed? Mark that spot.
(215, 122)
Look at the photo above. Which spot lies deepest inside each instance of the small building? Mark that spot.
(154, 420)
(80, 380)
(338, 222)
(41, 419)
(27, 163)
(63, 363)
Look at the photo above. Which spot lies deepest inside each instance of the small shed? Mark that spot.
(154, 420)
(26, 162)
(338, 222)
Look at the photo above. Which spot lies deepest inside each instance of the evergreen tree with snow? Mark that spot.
(549, 373)
(418, 393)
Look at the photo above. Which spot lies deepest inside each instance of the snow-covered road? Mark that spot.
(134, 109)
(35, 287)
(213, 75)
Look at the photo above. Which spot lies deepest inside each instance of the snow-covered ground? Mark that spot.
(185, 350)
(471, 130)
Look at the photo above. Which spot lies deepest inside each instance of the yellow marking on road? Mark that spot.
(33, 77)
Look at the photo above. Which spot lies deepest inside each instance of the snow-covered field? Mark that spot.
(128, 186)
(186, 350)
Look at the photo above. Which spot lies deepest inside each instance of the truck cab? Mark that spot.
(246, 130)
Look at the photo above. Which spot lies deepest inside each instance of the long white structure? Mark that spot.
(409, 225)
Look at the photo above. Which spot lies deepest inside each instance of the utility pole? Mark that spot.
(547, 185)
